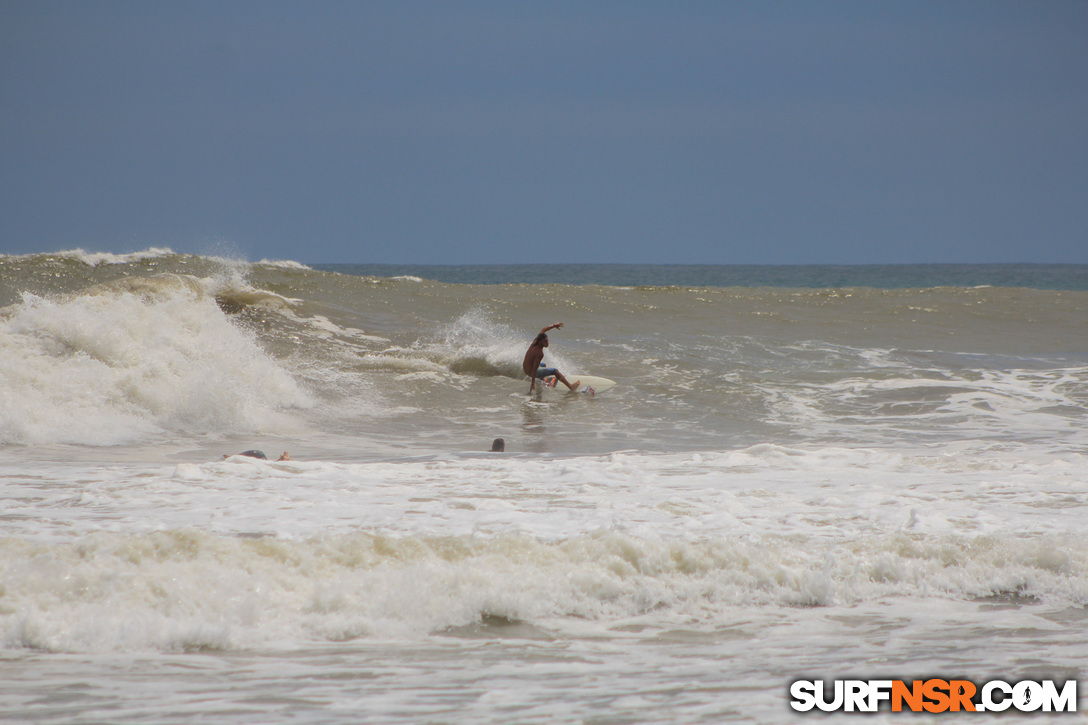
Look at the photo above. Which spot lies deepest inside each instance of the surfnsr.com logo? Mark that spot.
(933, 695)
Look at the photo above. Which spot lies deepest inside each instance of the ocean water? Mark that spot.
(802, 473)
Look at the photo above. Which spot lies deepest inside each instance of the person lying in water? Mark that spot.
(260, 454)
(533, 365)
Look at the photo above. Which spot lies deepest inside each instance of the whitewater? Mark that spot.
(802, 473)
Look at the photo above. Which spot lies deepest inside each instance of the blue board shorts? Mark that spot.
(542, 372)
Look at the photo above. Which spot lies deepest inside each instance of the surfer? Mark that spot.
(534, 361)
(260, 454)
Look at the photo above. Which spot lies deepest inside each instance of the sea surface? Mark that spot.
(801, 473)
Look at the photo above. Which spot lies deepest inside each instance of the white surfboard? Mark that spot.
(588, 384)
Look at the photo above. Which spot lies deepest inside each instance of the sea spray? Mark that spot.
(133, 357)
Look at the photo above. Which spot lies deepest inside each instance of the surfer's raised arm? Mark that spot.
(553, 326)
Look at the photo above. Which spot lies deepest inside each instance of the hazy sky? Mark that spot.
(507, 132)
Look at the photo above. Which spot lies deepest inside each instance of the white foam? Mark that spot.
(132, 358)
(95, 259)
(184, 589)
(893, 400)
(247, 553)
(284, 264)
